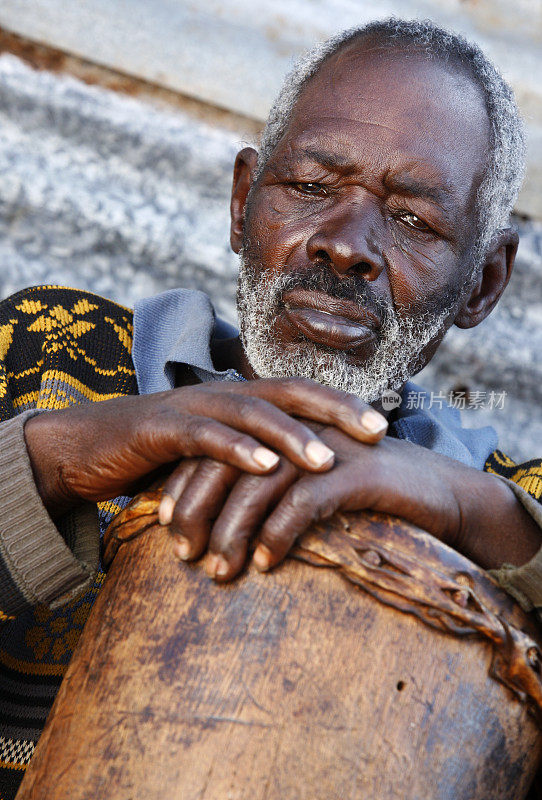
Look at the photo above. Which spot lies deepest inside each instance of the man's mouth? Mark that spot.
(328, 320)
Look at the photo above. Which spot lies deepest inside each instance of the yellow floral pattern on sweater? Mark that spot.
(58, 347)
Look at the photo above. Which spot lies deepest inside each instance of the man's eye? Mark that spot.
(310, 188)
(414, 222)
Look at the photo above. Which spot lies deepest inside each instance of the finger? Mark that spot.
(179, 435)
(173, 488)
(306, 398)
(246, 507)
(309, 500)
(268, 424)
(198, 505)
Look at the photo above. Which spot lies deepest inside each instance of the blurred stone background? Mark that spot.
(119, 122)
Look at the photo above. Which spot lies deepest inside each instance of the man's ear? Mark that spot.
(243, 170)
(491, 281)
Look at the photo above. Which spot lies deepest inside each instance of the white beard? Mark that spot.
(396, 358)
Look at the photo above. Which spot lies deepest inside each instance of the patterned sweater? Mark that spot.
(60, 347)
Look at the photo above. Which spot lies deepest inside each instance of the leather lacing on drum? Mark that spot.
(446, 602)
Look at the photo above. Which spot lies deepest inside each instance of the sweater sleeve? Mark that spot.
(39, 562)
(524, 583)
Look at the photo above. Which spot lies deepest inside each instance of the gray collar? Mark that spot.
(176, 327)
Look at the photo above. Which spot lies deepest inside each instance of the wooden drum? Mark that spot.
(376, 664)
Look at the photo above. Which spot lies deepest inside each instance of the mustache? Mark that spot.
(323, 279)
(320, 276)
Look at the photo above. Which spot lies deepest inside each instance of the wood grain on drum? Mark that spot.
(297, 684)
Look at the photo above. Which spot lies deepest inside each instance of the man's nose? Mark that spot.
(346, 240)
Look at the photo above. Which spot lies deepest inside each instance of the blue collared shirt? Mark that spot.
(177, 327)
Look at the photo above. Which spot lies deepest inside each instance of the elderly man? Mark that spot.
(374, 217)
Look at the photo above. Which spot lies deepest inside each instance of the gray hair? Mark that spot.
(505, 167)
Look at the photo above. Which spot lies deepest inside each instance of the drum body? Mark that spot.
(294, 685)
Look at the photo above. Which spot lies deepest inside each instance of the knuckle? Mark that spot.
(350, 399)
(302, 498)
(189, 524)
(182, 516)
(147, 426)
(248, 406)
(352, 403)
(229, 540)
(296, 393)
(347, 408)
(325, 508)
(198, 430)
(288, 386)
(211, 470)
(274, 537)
(299, 384)
(340, 399)
(237, 445)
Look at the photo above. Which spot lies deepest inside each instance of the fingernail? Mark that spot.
(182, 548)
(373, 421)
(262, 558)
(318, 454)
(216, 566)
(265, 458)
(165, 510)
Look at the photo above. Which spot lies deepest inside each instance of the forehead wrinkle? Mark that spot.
(338, 119)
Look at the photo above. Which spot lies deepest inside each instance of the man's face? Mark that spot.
(359, 234)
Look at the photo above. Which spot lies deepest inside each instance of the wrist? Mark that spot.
(495, 529)
(45, 443)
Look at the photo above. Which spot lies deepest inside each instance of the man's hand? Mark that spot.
(213, 506)
(98, 451)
